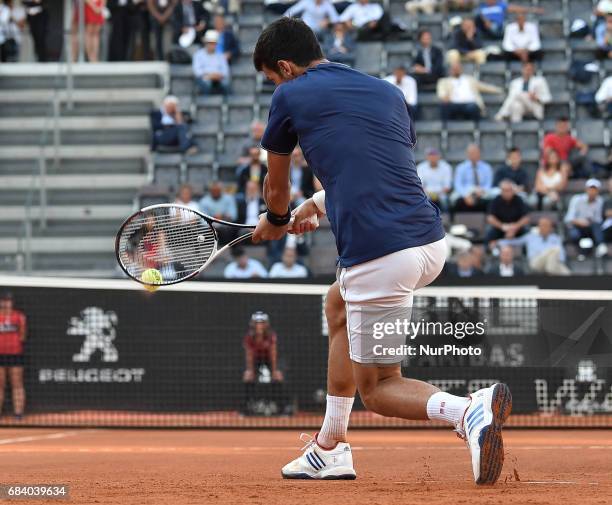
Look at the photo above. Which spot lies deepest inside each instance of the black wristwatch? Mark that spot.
(278, 220)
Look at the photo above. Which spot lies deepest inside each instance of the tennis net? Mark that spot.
(107, 353)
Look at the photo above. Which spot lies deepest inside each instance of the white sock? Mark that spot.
(336, 420)
(446, 407)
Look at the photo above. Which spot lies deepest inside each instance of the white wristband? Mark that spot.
(319, 200)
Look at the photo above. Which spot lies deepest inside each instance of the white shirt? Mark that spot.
(252, 211)
(604, 93)
(185, 218)
(253, 269)
(506, 270)
(528, 38)
(435, 180)
(408, 86)
(360, 14)
(462, 90)
(605, 6)
(280, 271)
(314, 14)
(206, 63)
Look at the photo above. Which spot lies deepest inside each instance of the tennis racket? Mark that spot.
(175, 240)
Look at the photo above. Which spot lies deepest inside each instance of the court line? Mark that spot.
(36, 438)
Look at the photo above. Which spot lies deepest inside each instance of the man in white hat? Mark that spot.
(210, 68)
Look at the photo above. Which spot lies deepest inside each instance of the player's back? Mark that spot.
(357, 137)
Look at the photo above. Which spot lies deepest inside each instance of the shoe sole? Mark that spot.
(492, 446)
(305, 476)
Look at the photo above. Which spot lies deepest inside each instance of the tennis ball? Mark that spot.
(151, 276)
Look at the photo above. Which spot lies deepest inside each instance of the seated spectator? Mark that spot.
(252, 170)
(228, 44)
(301, 177)
(288, 268)
(507, 215)
(545, 252)
(220, 204)
(407, 86)
(368, 19)
(210, 68)
(527, 96)
(413, 7)
(257, 131)
(250, 204)
(522, 40)
(550, 182)
(568, 147)
(491, 16)
(603, 37)
(466, 45)
(464, 266)
(340, 46)
(584, 217)
(506, 267)
(460, 95)
(479, 256)
(161, 11)
(244, 267)
(317, 14)
(169, 128)
(603, 97)
(428, 65)
(607, 224)
(190, 16)
(513, 171)
(184, 197)
(437, 178)
(472, 183)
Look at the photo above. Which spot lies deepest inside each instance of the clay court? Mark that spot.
(394, 466)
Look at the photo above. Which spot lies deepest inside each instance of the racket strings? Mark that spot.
(175, 241)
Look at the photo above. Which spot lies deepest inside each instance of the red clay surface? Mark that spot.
(243, 467)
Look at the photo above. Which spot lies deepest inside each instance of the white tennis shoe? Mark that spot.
(318, 463)
(481, 428)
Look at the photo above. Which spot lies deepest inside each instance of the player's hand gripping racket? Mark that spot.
(173, 241)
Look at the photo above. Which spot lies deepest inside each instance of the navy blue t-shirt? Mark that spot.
(358, 139)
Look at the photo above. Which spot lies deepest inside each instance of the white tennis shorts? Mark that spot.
(381, 291)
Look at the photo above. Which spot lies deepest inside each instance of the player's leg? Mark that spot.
(16, 376)
(2, 386)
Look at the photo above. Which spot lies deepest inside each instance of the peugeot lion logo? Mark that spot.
(98, 328)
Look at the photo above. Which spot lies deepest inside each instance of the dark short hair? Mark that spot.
(286, 39)
(563, 119)
(514, 149)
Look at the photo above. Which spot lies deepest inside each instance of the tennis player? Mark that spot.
(358, 138)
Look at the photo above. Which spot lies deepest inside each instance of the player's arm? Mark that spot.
(306, 216)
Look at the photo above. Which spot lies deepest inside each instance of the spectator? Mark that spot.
(210, 68)
(466, 45)
(38, 20)
(369, 19)
(12, 337)
(251, 204)
(184, 197)
(491, 16)
(169, 127)
(228, 44)
(603, 37)
(252, 170)
(301, 177)
(513, 171)
(428, 65)
(317, 14)
(550, 183)
(218, 203)
(260, 348)
(288, 268)
(244, 267)
(340, 46)
(464, 266)
(568, 148)
(508, 214)
(506, 266)
(429, 6)
(522, 40)
(473, 180)
(545, 252)
(607, 224)
(460, 95)
(190, 17)
(257, 130)
(94, 20)
(479, 256)
(408, 87)
(161, 11)
(527, 96)
(603, 97)
(123, 28)
(584, 217)
(436, 176)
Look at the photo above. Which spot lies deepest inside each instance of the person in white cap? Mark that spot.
(585, 215)
(210, 68)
